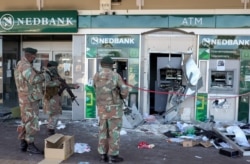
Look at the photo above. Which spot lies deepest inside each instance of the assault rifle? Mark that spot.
(64, 85)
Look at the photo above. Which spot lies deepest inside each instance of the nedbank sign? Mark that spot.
(38, 22)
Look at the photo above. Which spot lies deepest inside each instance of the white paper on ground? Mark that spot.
(240, 136)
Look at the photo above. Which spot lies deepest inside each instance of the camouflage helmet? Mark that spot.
(107, 60)
(30, 50)
(52, 64)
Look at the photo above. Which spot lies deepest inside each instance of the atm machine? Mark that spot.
(223, 88)
(169, 79)
(120, 67)
(179, 79)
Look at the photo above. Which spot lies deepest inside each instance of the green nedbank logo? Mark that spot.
(224, 42)
(7, 21)
(126, 40)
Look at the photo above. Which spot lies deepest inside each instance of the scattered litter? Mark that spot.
(224, 145)
(83, 162)
(189, 143)
(197, 157)
(171, 134)
(240, 137)
(215, 145)
(181, 126)
(156, 128)
(81, 148)
(188, 137)
(123, 132)
(206, 143)
(204, 138)
(60, 125)
(177, 140)
(18, 121)
(43, 122)
(145, 145)
(247, 131)
(150, 119)
(96, 124)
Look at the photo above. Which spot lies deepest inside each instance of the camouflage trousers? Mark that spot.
(109, 136)
(53, 108)
(29, 121)
(52, 121)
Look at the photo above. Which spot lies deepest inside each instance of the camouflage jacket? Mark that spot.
(110, 90)
(28, 82)
(52, 101)
(51, 86)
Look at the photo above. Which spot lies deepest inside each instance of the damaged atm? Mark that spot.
(170, 73)
(178, 80)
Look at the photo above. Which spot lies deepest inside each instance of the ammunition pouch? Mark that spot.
(50, 92)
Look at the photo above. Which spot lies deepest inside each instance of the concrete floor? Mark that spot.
(86, 132)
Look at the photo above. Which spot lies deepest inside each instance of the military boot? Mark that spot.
(51, 132)
(33, 149)
(115, 159)
(104, 158)
(23, 145)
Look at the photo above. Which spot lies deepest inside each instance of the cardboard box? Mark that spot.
(206, 143)
(189, 143)
(57, 148)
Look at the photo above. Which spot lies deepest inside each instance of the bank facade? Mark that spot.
(157, 55)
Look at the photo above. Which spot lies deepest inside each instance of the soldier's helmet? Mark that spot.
(30, 50)
(107, 61)
(52, 64)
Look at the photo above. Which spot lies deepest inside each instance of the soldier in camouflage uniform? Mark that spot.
(110, 90)
(52, 101)
(29, 87)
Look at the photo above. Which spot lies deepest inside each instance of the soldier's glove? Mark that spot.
(127, 111)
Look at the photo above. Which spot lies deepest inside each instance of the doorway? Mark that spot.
(10, 57)
(159, 82)
(60, 52)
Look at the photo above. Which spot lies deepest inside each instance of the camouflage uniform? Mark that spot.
(108, 85)
(29, 87)
(52, 101)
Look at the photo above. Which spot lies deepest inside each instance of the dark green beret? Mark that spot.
(30, 50)
(107, 60)
(52, 64)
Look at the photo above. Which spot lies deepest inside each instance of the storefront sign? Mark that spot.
(38, 21)
(223, 47)
(232, 21)
(120, 46)
(164, 21)
(123, 21)
(194, 21)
